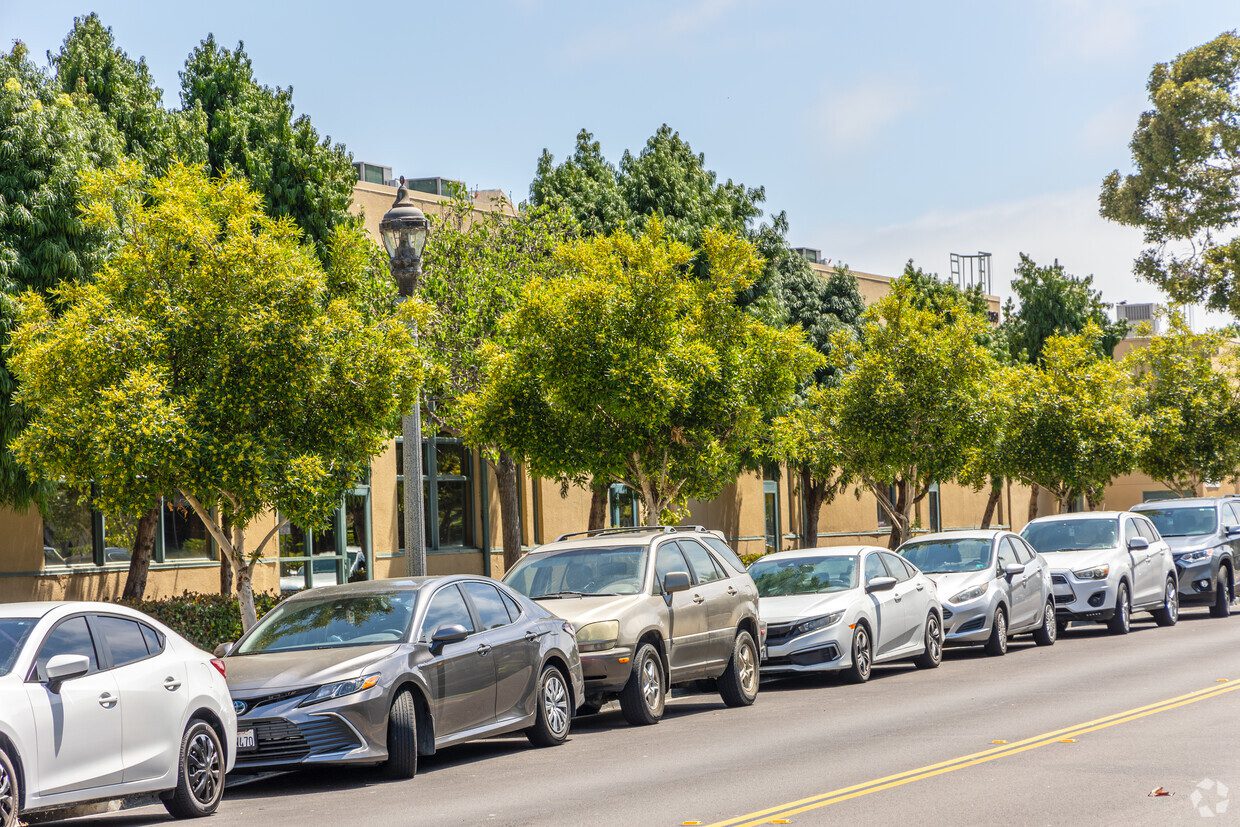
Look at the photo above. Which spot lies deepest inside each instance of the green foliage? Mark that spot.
(1073, 425)
(584, 185)
(1185, 190)
(215, 356)
(629, 367)
(1055, 303)
(48, 141)
(206, 620)
(251, 130)
(1188, 397)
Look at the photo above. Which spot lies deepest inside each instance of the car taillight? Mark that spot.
(220, 667)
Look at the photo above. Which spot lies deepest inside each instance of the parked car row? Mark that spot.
(99, 702)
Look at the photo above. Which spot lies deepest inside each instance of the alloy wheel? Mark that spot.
(748, 668)
(934, 639)
(861, 652)
(202, 768)
(652, 683)
(1048, 621)
(1123, 609)
(1001, 629)
(8, 799)
(1172, 601)
(555, 703)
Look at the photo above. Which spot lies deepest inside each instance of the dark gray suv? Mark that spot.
(1204, 535)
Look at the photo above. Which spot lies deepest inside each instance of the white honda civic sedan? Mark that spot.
(100, 702)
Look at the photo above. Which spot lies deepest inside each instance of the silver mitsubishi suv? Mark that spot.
(653, 607)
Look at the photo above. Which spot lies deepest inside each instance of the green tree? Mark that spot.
(251, 130)
(630, 367)
(476, 265)
(917, 402)
(1188, 397)
(216, 357)
(48, 141)
(584, 185)
(1184, 192)
(1073, 425)
(1055, 303)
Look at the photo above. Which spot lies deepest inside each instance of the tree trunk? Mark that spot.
(996, 490)
(813, 492)
(140, 560)
(900, 521)
(245, 596)
(509, 508)
(1033, 502)
(226, 569)
(598, 505)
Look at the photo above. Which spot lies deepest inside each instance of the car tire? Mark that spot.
(402, 738)
(200, 773)
(1170, 611)
(862, 656)
(1221, 607)
(588, 708)
(997, 643)
(10, 792)
(555, 710)
(738, 685)
(644, 696)
(1048, 632)
(1061, 626)
(1121, 622)
(933, 655)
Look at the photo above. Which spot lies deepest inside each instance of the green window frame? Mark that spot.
(304, 549)
(448, 489)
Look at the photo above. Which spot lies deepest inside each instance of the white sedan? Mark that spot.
(99, 702)
(845, 609)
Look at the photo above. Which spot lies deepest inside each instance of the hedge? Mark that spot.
(206, 620)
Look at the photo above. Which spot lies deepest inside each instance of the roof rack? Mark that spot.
(635, 529)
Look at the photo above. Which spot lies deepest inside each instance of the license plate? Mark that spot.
(246, 740)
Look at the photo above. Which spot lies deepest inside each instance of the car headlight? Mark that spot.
(816, 623)
(969, 594)
(598, 637)
(339, 689)
(1096, 573)
(1195, 556)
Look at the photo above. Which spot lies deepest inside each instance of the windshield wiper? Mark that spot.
(554, 595)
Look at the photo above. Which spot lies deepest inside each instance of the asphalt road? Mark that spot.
(1069, 756)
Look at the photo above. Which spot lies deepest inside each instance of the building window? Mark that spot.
(935, 506)
(883, 520)
(770, 507)
(182, 535)
(447, 488)
(68, 531)
(622, 505)
(339, 553)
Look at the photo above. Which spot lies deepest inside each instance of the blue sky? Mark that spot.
(886, 130)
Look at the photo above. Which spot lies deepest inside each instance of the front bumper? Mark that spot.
(1198, 581)
(967, 624)
(606, 673)
(352, 729)
(824, 650)
(1077, 599)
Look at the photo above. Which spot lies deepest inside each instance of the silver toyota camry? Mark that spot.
(381, 672)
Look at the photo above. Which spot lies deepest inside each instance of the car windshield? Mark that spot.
(332, 622)
(804, 575)
(1183, 522)
(1072, 535)
(580, 572)
(948, 556)
(13, 631)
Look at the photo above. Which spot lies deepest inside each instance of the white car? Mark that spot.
(845, 609)
(1105, 565)
(99, 702)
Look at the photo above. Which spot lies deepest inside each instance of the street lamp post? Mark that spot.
(404, 229)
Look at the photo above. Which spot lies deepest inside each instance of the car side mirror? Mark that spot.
(1138, 544)
(224, 649)
(675, 581)
(447, 633)
(1013, 569)
(880, 584)
(1232, 530)
(63, 668)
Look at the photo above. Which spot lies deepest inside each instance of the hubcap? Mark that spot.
(1052, 628)
(1173, 601)
(555, 703)
(652, 686)
(1001, 626)
(934, 644)
(1123, 608)
(862, 655)
(8, 799)
(202, 768)
(748, 667)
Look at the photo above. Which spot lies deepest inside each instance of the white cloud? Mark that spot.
(847, 119)
(1112, 126)
(671, 28)
(1093, 30)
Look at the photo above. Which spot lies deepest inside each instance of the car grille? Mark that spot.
(1065, 598)
(281, 741)
(778, 634)
(1060, 579)
(823, 654)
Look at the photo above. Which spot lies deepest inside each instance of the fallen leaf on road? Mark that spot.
(1067, 740)
(1161, 792)
(998, 741)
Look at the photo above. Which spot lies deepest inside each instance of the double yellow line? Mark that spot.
(814, 802)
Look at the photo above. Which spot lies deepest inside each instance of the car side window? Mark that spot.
(1007, 554)
(447, 608)
(492, 613)
(514, 608)
(123, 638)
(1030, 550)
(1018, 550)
(705, 569)
(874, 567)
(895, 567)
(1231, 515)
(154, 640)
(72, 637)
(1130, 529)
(1147, 530)
(667, 560)
(724, 550)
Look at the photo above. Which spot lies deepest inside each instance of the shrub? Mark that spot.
(748, 559)
(206, 620)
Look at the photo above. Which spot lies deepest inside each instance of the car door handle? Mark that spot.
(920, 586)
(532, 636)
(732, 590)
(697, 598)
(484, 649)
(107, 701)
(172, 684)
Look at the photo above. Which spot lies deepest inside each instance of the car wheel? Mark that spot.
(1048, 632)
(200, 774)
(645, 694)
(862, 656)
(1170, 611)
(933, 655)
(1222, 594)
(738, 685)
(10, 792)
(402, 738)
(997, 643)
(588, 708)
(555, 710)
(1121, 621)
(1061, 626)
